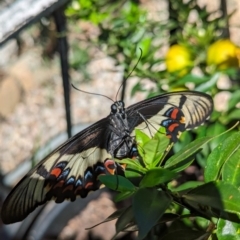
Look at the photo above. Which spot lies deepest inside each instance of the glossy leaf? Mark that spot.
(148, 207)
(126, 218)
(186, 154)
(187, 186)
(231, 169)
(164, 147)
(204, 87)
(132, 163)
(156, 176)
(117, 183)
(221, 155)
(227, 230)
(235, 98)
(150, 150)
(213, 166)
(220, 196)
(233, 115)
(141, 137)
(132, 173)
(123, 195)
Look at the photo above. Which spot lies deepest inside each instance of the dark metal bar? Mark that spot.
(60, 21)
(223, 6)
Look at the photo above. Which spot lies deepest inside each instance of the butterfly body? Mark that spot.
(120, 142)
(73, 168)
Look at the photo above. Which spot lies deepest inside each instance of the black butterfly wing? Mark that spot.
(177, 112)
(71, 170)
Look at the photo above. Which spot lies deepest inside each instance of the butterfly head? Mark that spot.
(118, 108)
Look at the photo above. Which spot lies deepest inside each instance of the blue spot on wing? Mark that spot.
(64, 174)
(78, 183)
(71, 180)
(168, 112)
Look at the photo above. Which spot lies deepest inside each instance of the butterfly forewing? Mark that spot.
(72, 169)
(177, 112)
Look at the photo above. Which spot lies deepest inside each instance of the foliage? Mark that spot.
(193, 210)
(125, 26)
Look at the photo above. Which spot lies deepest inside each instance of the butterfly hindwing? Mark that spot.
(73, 168)
(70, 171)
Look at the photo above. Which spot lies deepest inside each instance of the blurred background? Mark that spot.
(45, 45)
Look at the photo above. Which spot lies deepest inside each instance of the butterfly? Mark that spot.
(73, 168)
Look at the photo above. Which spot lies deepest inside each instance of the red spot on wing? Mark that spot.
(110, 166)
(56, 172)
(174, 113)
(89, 184)
(70, 188)
(59, 184)
(173, 126)
(78, 190)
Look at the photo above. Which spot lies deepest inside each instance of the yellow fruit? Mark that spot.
(223, 54)
(178, 59)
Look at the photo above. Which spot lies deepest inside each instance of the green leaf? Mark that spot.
(235, 98)
(178, 161)
(117, 183)
(227, 230)
(164, 147)
(126, 218)
(133, 163)
(214, 164)
(148, 207)
(186, 154)
(150, 150)
(190, 78)
(221, 155)
(233, 115)
(141, 137)
(145, 45)
(220, 196)
(123, 195)
(231, 168)
(217, 129)
(132, 173)
(157, 176)
(209, 84)
(187, 186)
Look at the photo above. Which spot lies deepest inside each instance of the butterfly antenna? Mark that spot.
(97, 94)
(124, 80)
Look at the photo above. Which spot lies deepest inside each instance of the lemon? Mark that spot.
(223, 54)
(178, 59)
